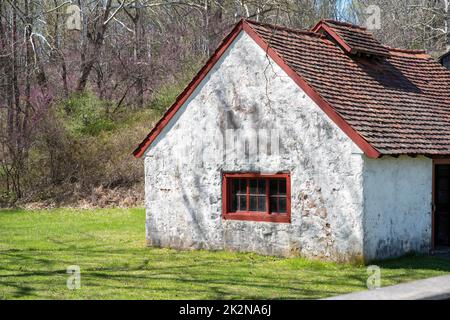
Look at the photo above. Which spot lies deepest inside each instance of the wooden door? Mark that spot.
(442, 206)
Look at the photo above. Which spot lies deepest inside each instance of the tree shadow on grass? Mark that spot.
(223, 286)
(192, 274)
(20, 290)
(186, 279)
(416, 262)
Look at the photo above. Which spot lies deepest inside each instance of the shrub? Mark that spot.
(86, 114)
(167, 94)
(82, 152)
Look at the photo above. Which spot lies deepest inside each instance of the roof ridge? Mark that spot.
(290, 29)
(413, 51)
(345, 24)
(409, 52)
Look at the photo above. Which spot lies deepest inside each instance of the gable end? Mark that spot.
(243, 25)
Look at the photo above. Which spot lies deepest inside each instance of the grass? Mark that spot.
(36, 247)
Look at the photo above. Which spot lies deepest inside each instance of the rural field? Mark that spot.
(108, 245)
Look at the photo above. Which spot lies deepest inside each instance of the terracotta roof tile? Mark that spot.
(399, 103)
(357, 38)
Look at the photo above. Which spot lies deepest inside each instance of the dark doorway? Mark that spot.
(442, 206)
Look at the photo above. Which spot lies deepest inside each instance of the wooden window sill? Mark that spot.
(255, 216)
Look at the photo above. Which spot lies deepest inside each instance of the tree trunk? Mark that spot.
(138, 56)
(93, 48)
(447, 22)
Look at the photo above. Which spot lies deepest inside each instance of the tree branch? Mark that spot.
(122, 3)
(60, 6)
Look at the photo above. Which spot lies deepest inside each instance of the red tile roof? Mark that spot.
(400, 104)
(354, 39)
(388, 101)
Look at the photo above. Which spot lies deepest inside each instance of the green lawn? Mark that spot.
(36, 247)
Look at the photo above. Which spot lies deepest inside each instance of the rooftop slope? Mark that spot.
(399, 102)
(355, 39)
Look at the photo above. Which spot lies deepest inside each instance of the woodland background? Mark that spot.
(75, 103)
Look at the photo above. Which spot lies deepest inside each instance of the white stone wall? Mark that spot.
(397, 206)
(247, 91)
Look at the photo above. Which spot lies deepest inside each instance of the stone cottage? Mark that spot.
(322, 143)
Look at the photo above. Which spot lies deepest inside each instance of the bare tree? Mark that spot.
(126, 51)
(413, 24)
(99, 20)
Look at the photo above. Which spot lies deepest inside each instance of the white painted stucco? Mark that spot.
(397, 206)
(248, 91)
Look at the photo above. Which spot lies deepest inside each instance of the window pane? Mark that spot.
(282, 186)
(282, 203)
(273, 204)
(242, 186)
(235, 189)
(262, 204)
(273, 186)
(261, 186)
(253, 186)
(250, 194)
(234, 201)
(242, 203)
(253, 203)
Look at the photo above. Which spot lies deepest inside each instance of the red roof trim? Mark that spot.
(322, 25)
(344, 24)
(370, 151)
(284, 28)
(333, 34)
(181, 99)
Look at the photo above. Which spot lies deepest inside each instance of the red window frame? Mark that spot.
(266, 216)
